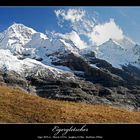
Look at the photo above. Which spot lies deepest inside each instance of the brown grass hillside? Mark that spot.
(18, 107)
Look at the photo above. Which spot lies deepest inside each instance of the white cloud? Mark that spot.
(75, 38)
(103, 32)
(79, 19)
(87, 25)
(72, 15)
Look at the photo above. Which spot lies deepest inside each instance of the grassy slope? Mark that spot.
(16, 106)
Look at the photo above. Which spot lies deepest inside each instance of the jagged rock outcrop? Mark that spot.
(77, 90)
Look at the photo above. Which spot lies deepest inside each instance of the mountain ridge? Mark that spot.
(58, 69)
(26, 41)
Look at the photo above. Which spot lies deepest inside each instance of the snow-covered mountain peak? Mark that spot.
(25, 42)
(110, 45)
(19, 32)
(119, 52)
(111, 42)
(15, 37)
(17, 27)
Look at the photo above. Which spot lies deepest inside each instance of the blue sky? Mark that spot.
(42, 18)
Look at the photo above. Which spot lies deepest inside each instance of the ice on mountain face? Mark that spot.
(126, 42)
(8, 62)
(70, 46)
(40, 47)
(42, 69)
(36, 47)
(15, 37)
(117, 53)
(19, 32)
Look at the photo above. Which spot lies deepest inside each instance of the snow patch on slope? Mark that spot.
(8, 62)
